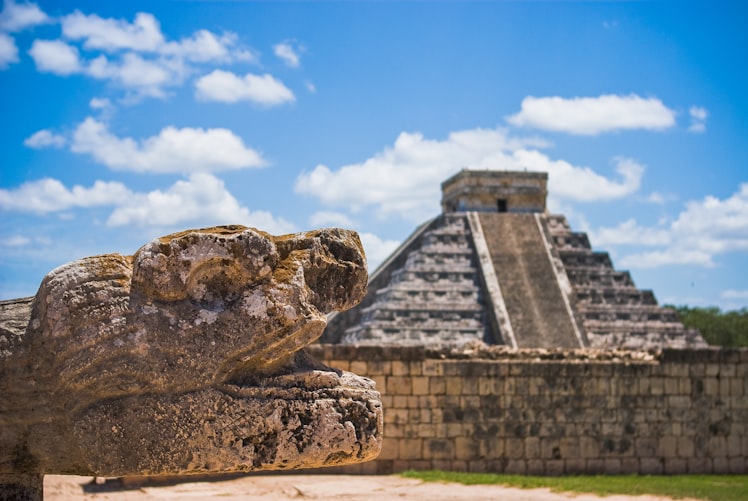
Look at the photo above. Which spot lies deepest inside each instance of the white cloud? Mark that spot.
(44, 139)
(50, 195)
(376, 249)
(403, 180)
(228, 87)
(144, 76)
(593, 115)
(698, 119)
(714, 217)
(55, 56)
(16, 17)
(202, 200)
(172, 150)
(15, 241)
(328, 218)
(103, 107)
(704, 230)
(630, 233)
(100, 103)
(287, 53)
(204, 46)
(735, 294)
(698, 113)
(143, 34)
(655, 198)
(668, 257)
(582, 184)
(8, 51)
(136, 55)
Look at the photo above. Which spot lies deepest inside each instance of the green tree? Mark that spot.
(718, 328)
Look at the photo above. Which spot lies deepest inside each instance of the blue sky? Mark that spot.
(123, 121)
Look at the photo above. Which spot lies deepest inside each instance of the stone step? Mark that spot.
(405, 336)
(439, 259)
(440, 298)
(446, 250)
(410, 308)
(422, 318)
(638, 313)
(557, 223)
(614, 296)
(455, 237)
(412, 287)
(573, 258)
(597, 277)
(572, 241)
(635, 328)
(428, 324)
(431, 274)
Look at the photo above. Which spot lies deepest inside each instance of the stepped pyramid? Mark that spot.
(496, 267)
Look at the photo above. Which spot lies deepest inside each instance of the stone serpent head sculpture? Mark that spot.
(187, 358)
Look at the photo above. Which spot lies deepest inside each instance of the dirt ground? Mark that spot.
(298, 487)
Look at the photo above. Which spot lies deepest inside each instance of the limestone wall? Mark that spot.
(554, 412)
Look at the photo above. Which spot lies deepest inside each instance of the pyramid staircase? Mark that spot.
(534, 301)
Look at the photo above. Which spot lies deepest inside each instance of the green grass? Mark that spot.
(711, 487)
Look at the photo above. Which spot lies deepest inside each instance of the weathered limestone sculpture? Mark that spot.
(184, 358)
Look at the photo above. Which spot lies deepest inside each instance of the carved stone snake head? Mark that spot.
(187, 356)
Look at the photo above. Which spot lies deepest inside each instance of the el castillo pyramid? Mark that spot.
(496, 267)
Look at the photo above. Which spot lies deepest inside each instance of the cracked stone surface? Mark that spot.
(186, 357)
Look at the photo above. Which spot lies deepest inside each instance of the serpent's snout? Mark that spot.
(334, 266)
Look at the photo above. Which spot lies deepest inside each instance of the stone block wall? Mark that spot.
(548, 412)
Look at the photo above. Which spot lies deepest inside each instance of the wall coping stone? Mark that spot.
(486, 352)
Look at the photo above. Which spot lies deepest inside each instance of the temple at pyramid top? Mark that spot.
(496, 267)
(494, 191)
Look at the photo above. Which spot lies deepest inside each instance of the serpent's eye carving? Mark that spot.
(204, 266)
